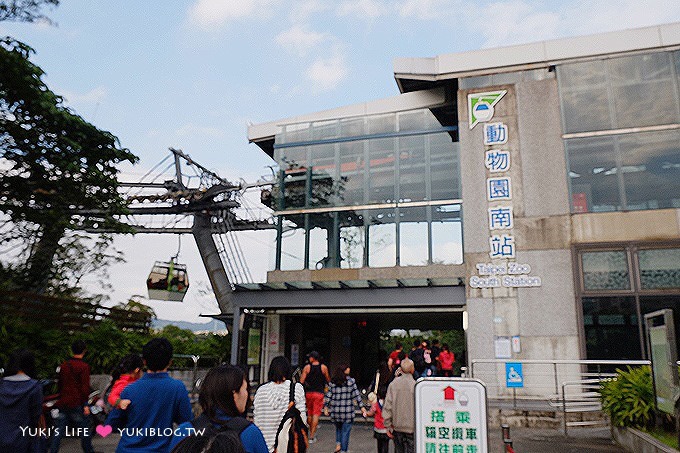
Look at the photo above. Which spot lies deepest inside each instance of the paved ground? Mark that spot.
(525, 440)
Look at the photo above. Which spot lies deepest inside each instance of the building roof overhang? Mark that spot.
(263, 134)
(418, 73)
(351, 284)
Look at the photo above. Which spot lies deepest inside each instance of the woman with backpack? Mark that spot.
(272, 400)
(224, 397)
(339, 401)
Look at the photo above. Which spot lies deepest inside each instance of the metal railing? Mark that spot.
(585, 400)
(543, 378)
(571, 387)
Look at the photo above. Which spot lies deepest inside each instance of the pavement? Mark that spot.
(525, 440)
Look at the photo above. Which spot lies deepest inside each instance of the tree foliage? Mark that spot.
(24, 10)
(59, 172)
(106, 344)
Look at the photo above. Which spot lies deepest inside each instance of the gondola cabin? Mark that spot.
(168, 281)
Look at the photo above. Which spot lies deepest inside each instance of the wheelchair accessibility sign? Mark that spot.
(513, 375)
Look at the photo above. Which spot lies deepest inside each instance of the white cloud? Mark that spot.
(368, 9)
(300, 11)
(327, 73)
(521, 23)
(299, 39)
(588, 18)
(93, 96)
(213, 13)
(424, 9)
(194, 129)
(525, 21)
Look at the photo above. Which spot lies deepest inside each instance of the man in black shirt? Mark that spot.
(314, 377)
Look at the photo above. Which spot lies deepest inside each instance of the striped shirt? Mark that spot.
(340, 399)
(269, 405)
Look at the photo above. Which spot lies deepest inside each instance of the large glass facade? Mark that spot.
(378, 191)
(618, 286)
(621, 119)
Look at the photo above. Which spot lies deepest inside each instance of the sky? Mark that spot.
(193, 74)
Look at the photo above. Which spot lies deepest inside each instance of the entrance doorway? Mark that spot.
(359, 338)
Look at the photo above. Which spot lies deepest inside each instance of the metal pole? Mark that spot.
(514, 398)
(564, 410)
(178, 170)
(235, 335)
(505, 430)
(557, 385)
(194, 374)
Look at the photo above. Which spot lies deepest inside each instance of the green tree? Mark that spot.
(59, 172)
(24, 10)
(135, 304)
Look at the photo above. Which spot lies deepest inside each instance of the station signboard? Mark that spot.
(451, 416)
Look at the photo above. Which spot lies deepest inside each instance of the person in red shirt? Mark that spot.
(127, 372)
(393, 361)
(379, 430)
(446, 360)
(74, 390)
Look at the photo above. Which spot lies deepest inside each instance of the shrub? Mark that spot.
(628, 398)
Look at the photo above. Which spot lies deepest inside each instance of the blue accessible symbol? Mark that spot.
(513, 375)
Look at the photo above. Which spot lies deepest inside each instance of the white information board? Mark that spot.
(451, 416)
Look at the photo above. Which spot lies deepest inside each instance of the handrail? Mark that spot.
(556, 362)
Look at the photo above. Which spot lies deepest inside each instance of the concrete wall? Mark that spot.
(544, 317)
(626, 226)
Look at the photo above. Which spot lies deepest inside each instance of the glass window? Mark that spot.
(293, 244)
(593, 174)
(643, 90)
(444, 165)
(352, 127)
(324, 179)
(381, 167)
(607, 270)
(293, 133)
(382, 123)
(584, 96)
(447, 235)
(351, 182)
(294, 157)
(650, 163)
(660, 268)
(611, 328)
(412, 121)
(412, 168)
(352, 239)
(320, 246)
(382, 238)
(413, 237)
(295, 183)
(324, 130)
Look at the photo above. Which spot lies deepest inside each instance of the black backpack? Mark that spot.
(292, 436)
(229, 432)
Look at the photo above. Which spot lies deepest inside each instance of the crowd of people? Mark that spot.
(429, 359)
(152, 412)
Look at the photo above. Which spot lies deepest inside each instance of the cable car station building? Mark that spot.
(529, 194)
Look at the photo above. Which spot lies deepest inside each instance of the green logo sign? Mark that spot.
(480, 106)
